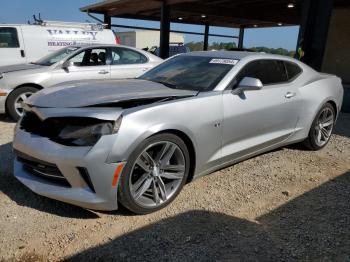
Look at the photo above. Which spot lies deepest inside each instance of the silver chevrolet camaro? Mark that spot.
(138, 142)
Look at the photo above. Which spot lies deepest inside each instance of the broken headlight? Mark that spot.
(82, 135)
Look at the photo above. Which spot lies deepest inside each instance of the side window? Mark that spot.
(293, 70)
(124, 56)
(90, 57)
(268, 71)
(8, 37)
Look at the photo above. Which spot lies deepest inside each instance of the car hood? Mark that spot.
(103, 93)
(19, 67)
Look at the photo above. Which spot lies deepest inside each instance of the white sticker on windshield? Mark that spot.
(224, 61)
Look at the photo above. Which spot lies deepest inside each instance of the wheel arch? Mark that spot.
(39, 87)
(334, 105)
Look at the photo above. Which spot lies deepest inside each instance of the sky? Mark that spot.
(20, 11)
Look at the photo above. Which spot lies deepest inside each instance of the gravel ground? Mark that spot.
(286, 205)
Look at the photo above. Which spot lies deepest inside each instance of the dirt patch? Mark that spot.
(289, 204)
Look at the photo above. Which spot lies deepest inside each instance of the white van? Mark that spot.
(26, 43)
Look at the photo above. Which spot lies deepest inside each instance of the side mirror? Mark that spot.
(248, 84)
(66, 64)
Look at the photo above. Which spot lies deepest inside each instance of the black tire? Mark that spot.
(124, 194)
(310, 141)
(10, 103)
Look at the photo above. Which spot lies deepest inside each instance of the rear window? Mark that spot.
(124, 56)
(293, 70)
(8, 37)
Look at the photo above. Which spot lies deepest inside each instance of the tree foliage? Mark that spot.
(198, 46)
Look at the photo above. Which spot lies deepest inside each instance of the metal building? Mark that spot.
(324, 33)
(144, 38)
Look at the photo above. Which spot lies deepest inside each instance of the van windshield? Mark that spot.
(56, 56)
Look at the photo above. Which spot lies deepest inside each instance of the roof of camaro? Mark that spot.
(221, 54)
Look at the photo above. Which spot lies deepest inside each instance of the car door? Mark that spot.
(11, 46)
(89, 64)
(127, 63)
(258, 119)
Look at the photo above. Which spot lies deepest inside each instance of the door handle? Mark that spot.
(290, 95)
(103, 72)
(144, 69)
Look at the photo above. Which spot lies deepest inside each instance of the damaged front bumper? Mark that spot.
(79, 175)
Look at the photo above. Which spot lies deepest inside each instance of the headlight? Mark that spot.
(80, 135)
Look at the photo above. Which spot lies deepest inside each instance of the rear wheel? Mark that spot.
(14, 104)
(155, 174)
(321, 129)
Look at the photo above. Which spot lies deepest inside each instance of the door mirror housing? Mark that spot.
(248, 84)
(66, 64)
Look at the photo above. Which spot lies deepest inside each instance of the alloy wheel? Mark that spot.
(19, 102)
(157, 174)
(324, 126)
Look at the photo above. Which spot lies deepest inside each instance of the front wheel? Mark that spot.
(155, 174)
(321, 129)
(14, 102)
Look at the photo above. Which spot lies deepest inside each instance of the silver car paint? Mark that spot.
(47, 76)
(111, 91)
(223, 128)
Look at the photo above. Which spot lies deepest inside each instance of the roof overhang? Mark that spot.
(227, 13)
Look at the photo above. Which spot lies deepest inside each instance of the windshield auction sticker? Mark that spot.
(224, 61)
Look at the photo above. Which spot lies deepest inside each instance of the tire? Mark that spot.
(312, 142)
(167, 176)
(15, 97)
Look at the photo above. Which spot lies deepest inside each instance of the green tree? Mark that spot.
(198, 46)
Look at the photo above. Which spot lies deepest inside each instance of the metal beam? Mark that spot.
(164, 31)
(107, 20)
(313, 32)
(173, 31)
(206, 37)
(241, 38)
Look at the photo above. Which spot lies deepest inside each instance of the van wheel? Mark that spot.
(14, 102)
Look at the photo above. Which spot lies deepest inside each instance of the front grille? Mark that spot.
(46, 171)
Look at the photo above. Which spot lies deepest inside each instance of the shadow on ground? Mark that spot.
(5, 118)
(342, 127)
(17, 192)
(312, 227)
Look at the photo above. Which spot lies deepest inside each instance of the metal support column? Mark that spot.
(107, 20)
(241, 37)
(206, 37)
(314, 31)
(164, 31)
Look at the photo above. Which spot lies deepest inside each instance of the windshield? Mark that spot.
(194, 73)
(56, 56)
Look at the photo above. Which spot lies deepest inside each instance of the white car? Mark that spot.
(73, 63)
